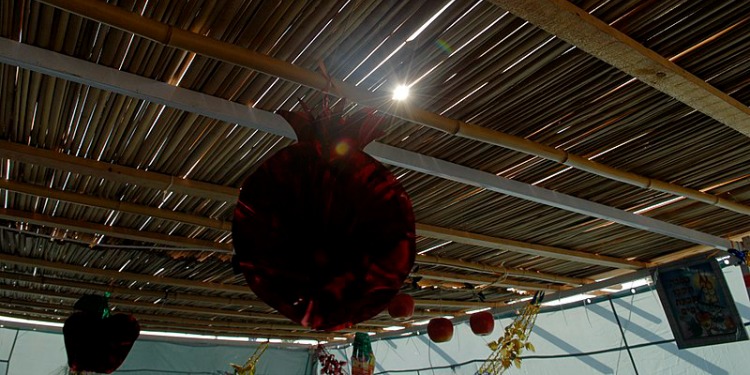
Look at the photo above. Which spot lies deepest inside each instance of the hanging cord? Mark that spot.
(622, 332)
(165, 192)
(116, 247)
(630, 315)
(503, 276)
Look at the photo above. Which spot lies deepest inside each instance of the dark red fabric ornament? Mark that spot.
(440, 329)
(95, 340)
(482, 323)
(322, 231)
(401, 307)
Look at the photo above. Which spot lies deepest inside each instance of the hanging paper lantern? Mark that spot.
(401, 307)
(440, 329)
(95, 340)
(482, 323)
(322, 231)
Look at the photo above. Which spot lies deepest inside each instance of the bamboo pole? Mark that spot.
(137, 310)
(115, 275)
(605, 42)
(475, 239)
(88, 200)
(114, 231)
(196, 188)
(200, 328)
(169, 298)
(502, 271)
(114, 172)
(186, 40)
(421, 259)
(500, 281)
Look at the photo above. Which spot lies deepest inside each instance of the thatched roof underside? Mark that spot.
(105, 191)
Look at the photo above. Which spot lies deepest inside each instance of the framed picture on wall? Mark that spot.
(698, 305)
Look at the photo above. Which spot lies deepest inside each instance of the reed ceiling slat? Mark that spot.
(475, 63)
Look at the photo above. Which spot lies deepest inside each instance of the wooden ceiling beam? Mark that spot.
(579, 28)
(73, 69)
(475, 239)
(234, 54)
(113, 231)
(114, 172)
(115, 275)
(201, 329)
(169, 298)
(97, 169)
(501, 272)
(116, 205)
(137, 309)
(130, 276)
(167, 294)
(499, 281)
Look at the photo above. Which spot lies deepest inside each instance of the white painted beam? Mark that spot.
(458, 173)
(105, 78)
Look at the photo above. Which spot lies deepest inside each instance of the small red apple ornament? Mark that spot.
(323, 232)
(96, 341)
(440, 329)
(401, 307)
(482, 323)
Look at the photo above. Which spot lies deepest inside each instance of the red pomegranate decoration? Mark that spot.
(482, 323)
(96, 341)
(401, 307)
(322, 231)
(440, 329)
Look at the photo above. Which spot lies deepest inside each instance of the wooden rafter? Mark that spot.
(242, 290)
(576, 26)
(169, 299)
(201, 44)
(166, 214)
(109, 171)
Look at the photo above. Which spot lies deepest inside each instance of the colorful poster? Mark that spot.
(699, 307)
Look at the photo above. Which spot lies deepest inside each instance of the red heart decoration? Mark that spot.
(99, 344)
(322, 231)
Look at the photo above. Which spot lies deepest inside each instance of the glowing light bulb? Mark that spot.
(401, 92)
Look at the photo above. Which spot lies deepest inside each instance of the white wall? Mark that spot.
(580, 339)
(43, 353)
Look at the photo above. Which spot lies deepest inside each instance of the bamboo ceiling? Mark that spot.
(103, 191)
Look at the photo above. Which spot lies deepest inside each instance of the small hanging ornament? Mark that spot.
(363, 359)
(329, 365)
(507, 350)
(482, 323)
(323, 232)
(251, 364)
(95, 340)
(401, 307)
(440, 329)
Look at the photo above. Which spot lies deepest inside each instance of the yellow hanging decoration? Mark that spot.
(249, 367)
(506, 351)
